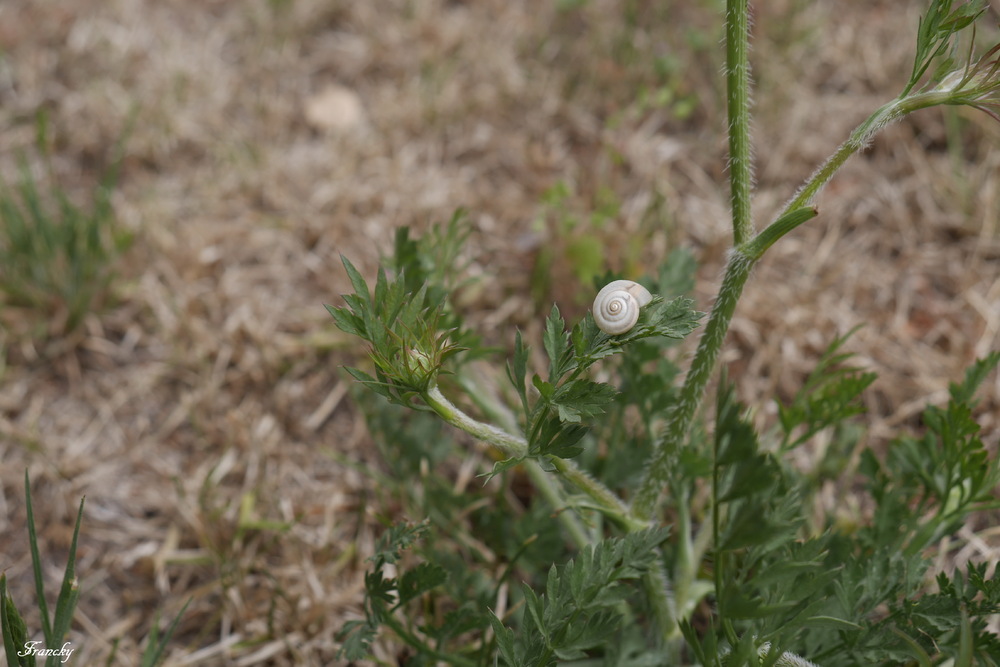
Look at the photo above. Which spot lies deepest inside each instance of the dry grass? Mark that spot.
(273, 136)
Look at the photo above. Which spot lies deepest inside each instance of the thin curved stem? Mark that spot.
(421, 645)
(607, 502)
(604, 499)
(541, 479)
(512, 445)
(655, 581)
(862, 137)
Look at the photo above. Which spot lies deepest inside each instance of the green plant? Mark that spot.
(57, 260)
(19, 646)
(680, 542)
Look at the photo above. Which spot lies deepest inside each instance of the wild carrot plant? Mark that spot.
(648, 537)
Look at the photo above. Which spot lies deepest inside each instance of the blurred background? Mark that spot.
(176, 365)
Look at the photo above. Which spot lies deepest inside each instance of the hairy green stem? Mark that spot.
(661, 599)
(862, 137)
(604, 499)
(737, 271)
(609, 504)
(741, 261)
(686, 567)
(682, 414)
(738, 106)
(541, 479)
(511, 445)
(543, 482)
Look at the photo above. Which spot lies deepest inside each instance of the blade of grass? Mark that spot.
(70, 591)
(156, 646)
(36, 565)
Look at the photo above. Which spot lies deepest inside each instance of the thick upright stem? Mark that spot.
(679, 421)
(738, 103)
(741, 261)
(737, 271)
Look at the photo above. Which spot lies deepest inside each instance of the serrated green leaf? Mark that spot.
(379, 588)
(380, 388)
(505, 640)
(535, 609)
(578, 337)
(381, 287)
(565, 443)
(517, 371)
(581, 607)
(501, 466)
(397, 539)
(974, 377)
(357, 637)
(346, 321)
(419, 580)
(830, 395)
(544, 388)
(556, 343)
(755, 475)
(582, 399)
(357, 281)
(751, 526)
(592, 632)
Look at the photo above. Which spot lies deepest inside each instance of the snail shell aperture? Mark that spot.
(616, 307)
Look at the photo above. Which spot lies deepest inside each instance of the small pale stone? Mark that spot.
(335, 108)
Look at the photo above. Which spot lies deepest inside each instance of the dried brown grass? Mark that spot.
(209, 398)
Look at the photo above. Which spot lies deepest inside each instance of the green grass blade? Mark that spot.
(70, 592)
(157, 645)
(36, 565)
(114, 652)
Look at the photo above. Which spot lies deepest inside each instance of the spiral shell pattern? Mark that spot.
(616, 307)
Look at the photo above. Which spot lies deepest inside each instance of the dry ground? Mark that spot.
(209, 399)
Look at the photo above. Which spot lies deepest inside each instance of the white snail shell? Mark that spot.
(616, 307)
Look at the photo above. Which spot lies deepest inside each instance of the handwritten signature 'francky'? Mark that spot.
(35, 649)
